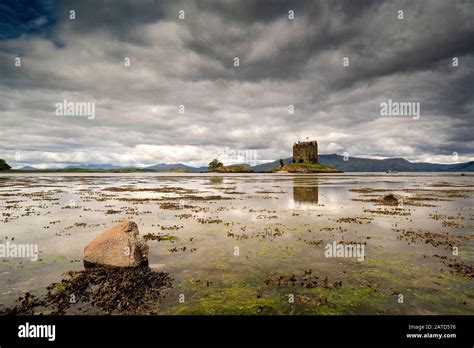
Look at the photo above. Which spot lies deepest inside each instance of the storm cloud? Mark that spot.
(190, 62)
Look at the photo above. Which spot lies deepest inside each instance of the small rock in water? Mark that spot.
(391, 199)
(119, 246)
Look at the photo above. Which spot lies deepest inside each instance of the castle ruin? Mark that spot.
(305, 152)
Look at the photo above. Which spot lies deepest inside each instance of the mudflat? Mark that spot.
(244, 243)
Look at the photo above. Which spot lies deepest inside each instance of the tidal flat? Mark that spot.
(243, 243)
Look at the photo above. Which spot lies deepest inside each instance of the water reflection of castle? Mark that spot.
(305, 195)
(215, 180)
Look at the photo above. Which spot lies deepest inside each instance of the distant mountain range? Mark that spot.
(94, 166)
(162, 167)
(356, 164)
(351, 164)
(80, 166)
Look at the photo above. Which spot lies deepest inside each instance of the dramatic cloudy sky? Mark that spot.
(190, 62)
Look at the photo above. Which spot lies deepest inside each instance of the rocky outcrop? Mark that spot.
(391, 199)
(306, 168)
(119, 246)
(233, 169)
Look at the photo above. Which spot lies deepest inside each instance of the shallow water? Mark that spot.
(238, 233)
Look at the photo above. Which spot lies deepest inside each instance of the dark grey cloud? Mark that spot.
(190, 62)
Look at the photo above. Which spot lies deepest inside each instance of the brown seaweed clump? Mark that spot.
(107, 290)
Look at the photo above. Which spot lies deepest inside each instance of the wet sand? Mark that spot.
(278, 223)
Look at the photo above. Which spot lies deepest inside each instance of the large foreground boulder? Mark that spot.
(119, 246)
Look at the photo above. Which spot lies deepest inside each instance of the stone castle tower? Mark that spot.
(305, 152)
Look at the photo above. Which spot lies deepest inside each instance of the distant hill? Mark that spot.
(28, 168)
(356, 164)
(162, 167)
(271, 165)
(93, 166)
